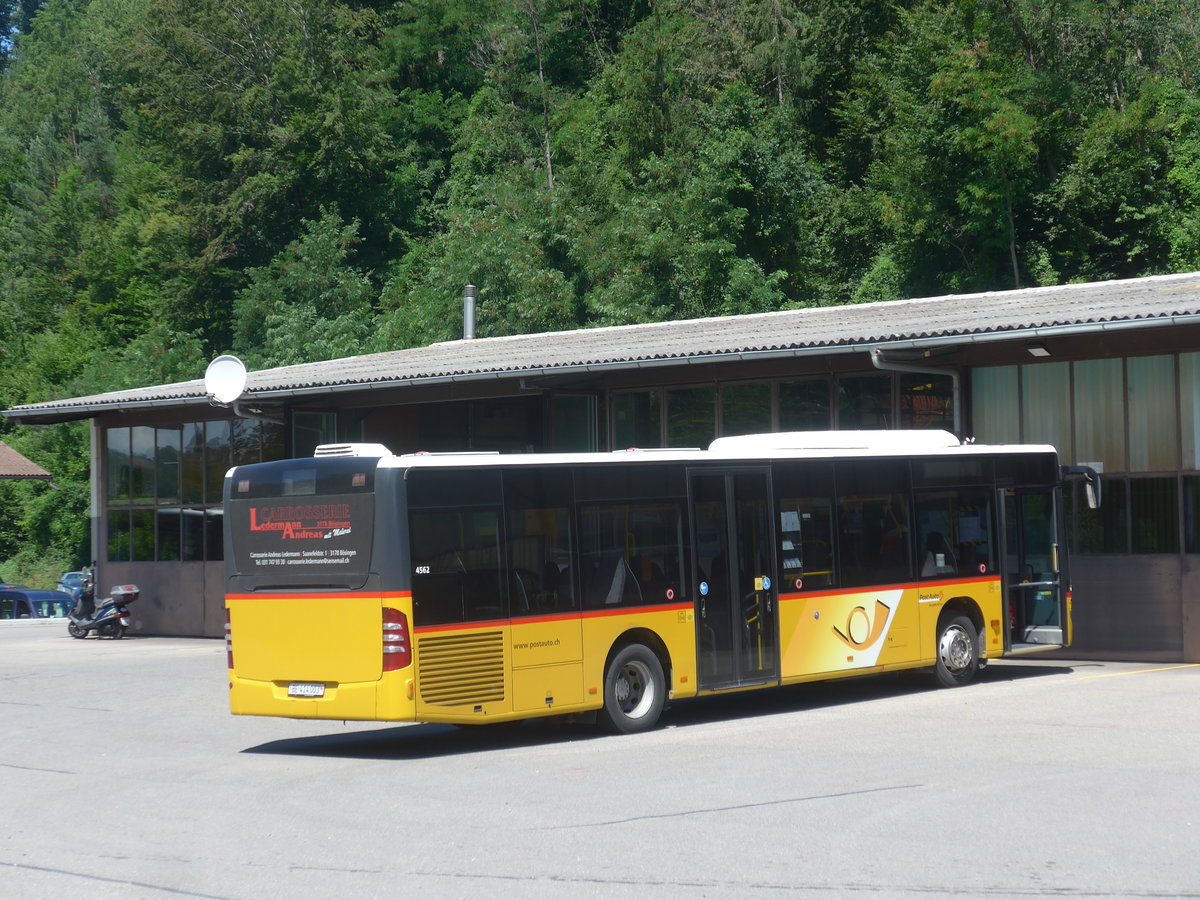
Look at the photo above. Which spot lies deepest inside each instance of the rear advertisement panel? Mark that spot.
(302, 522)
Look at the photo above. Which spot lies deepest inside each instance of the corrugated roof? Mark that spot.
(13, 465)
(926, 322)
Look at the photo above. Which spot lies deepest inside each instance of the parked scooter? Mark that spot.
(109, 618)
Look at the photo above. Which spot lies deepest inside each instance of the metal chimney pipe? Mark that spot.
(469, 313)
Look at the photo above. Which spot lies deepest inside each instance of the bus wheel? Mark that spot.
(634, 690)
(957, 651)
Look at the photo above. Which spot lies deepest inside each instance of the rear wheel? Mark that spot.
(110, 629)
(635, 690)
(957, 651)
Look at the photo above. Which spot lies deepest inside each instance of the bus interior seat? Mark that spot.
(607, 580)
(565, 593)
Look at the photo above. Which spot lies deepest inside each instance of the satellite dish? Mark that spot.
(225, 379)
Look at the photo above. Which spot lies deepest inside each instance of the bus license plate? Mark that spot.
(305, 689)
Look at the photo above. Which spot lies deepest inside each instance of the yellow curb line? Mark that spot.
(1138, 672)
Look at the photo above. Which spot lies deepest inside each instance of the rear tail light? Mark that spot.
(397, 648)
(228, 640)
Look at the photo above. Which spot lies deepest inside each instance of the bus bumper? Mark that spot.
(388, 699)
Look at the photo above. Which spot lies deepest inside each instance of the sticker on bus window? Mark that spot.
(799, 584)
(670, 593)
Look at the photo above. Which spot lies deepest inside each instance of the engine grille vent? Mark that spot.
(461, 669)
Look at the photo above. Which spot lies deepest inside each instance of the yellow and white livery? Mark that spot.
(484, 587)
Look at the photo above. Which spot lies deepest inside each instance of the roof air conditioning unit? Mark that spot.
(352, 450)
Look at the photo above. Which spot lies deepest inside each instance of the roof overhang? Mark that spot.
(14, 466)
(921, 327)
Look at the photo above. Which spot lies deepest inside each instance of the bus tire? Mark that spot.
(957, 651)
(635, 690)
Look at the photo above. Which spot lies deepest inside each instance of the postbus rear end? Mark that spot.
(318, 611)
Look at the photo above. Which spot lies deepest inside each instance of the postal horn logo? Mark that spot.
(862, 629)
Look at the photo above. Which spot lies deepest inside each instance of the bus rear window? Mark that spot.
(303, 522)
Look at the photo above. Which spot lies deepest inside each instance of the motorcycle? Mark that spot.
(110, 618)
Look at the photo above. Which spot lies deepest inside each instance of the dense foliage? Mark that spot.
(304, 179)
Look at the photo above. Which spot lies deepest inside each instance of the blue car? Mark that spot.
(68, 582)
(17, 602)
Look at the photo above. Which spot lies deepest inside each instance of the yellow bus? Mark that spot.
(473, 588)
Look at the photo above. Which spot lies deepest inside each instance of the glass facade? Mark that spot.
(1046, 406)
(1136, 419)
(573, 423)
(745, 408)
(1100, 432)
(163, 485)
(804, 406)
(637, 420)
(311, 429)
(865, 402)
(926, 401)
(997, 404)
(692, 417)
(1154, 437)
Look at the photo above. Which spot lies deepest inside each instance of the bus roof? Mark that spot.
(776, 445)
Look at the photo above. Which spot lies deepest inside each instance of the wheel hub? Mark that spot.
(955, 649)
(631, 691)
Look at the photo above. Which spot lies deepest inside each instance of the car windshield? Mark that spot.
(72, 579)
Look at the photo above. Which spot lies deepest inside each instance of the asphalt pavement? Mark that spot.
(123, 775)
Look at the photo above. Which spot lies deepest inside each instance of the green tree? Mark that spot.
(265, 111)
(1182, 231)
(307, 303)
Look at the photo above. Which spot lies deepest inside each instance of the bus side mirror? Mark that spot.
(1091, 482)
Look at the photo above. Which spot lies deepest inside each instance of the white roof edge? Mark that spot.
(741, 449)
(893, 441)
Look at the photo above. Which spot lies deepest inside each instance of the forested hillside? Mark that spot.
(304, 179)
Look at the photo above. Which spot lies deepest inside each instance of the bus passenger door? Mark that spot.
(1036, 601)
(732, 552)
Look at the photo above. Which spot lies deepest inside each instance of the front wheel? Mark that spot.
(957, 651)
(76, 631)
(635, 690)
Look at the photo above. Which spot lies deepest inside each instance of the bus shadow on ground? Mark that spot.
(431, 740)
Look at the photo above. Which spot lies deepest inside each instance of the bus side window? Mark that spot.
(457, 576)
(805, 543)
(632, 553)
(807, 548)
(873, 522)
(539, 543)
(954, 527)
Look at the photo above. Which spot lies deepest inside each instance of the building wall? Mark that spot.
(1132, 600)
(1130, 608)
(1189, 593)
(177, 598)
